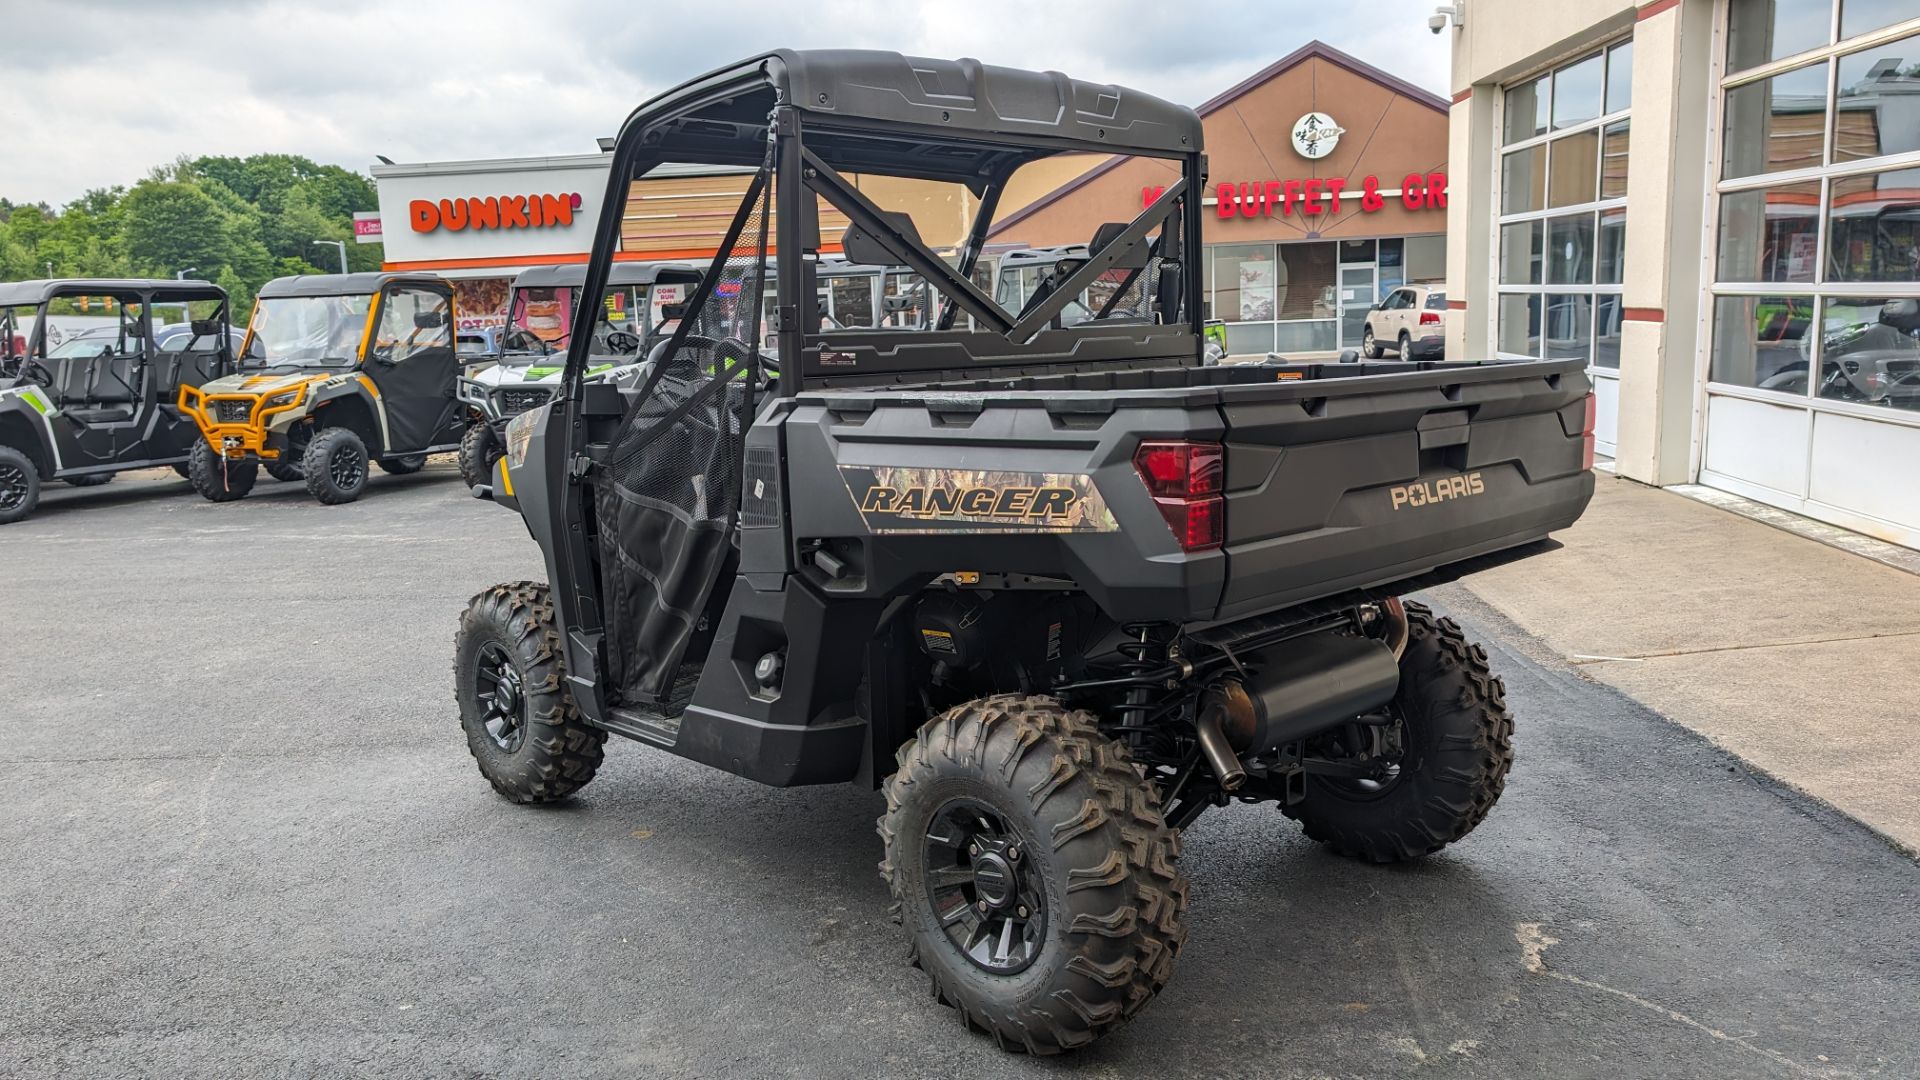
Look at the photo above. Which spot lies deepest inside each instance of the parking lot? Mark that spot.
(240, 835)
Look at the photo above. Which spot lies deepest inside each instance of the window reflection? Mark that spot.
(1573, 170)
(1870, 351)
(1864, 16)
(1577, 91)
(1523, 181)
(1520, 253)
(1770, 234)
(1759, 31)
(1873, 227)
(1519, 324)
(1761, 342)
(1620, 77)
(1527, 109)
(1777, 123)
(1877, 110)
(1569, 326)
(1570, 250)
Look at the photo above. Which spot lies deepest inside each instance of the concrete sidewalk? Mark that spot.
(1798, 657)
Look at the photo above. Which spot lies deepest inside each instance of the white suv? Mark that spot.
(1412, 320)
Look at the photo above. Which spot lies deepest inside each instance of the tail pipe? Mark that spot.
(1295, 690)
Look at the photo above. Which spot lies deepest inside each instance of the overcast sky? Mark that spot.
(97, 92)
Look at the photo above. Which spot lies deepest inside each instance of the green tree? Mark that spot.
(173, 225)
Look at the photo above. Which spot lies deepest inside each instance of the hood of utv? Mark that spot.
(260, 382)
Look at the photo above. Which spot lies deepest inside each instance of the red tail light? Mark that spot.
(1429, 318)
(1185, 480)
(1586, 433)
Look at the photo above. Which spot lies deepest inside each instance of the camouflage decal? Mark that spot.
(903, 500)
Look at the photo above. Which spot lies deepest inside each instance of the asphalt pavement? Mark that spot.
(240, 836)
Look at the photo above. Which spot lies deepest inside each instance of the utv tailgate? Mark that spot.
(1338, 476)
(1339, 483)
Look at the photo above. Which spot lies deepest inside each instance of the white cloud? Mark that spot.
(98, 92)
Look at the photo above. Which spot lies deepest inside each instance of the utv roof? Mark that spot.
(342, 284)
(861, 88)
(159, 290)
(574, 275)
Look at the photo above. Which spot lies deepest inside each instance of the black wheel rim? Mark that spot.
(13, 486)
(346, 468)
(1388, 751)
(502, 697)
(984, 891)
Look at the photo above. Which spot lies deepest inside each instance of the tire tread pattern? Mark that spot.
(1125, 899)
(562, 752)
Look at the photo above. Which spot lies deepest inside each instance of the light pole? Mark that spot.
(342, 245)
(186, 312)
(182, 275)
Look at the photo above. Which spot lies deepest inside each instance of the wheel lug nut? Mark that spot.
(1014, 853)
(982, 905)
(973, 849)
(1021, 911)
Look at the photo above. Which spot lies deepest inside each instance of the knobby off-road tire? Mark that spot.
(549, 752)
(286, 468)
(216, 479)
(90, 480)
(335, 465)
(402, 466)
(1457, 750)
(19, 485)
(1097, 852)
(478, 451)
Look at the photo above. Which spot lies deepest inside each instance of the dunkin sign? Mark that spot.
(493, 212)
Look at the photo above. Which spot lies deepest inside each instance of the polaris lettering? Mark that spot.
(1428, 492)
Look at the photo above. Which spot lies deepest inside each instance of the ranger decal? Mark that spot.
(895, 499)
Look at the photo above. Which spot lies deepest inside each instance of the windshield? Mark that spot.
(307, 331)
(83, 345)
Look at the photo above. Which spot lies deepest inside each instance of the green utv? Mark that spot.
(541, 321)
(1055, 588)
(338, 370)
(99, 404)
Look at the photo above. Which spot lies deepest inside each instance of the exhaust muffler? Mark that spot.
(1294, 690)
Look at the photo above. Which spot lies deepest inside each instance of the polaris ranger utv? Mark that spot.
(540, 325)
(1056, 589)
(100, 404)
(337, 370)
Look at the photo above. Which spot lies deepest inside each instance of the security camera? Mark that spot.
(1436, 22)
(1454, 13)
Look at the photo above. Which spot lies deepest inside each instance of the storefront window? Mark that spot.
(1527, 109)
(1310, 306)
(1520, 252)
(1620, 77)
(1563, 215)
(1761, 31)
(1865, 16)
(1523, 180)
(1577, 92)
(1776, 124)
(1244, 282)
(1877, 111)
(1769, 234)
(1849, 238)
(1426, 258)
(1761, 342)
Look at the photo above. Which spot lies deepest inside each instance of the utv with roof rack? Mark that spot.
(104, 403)
(540, 325)
(337, 370)
(1057, 589)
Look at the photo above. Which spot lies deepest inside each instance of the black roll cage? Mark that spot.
(146, 296)
(804, 143)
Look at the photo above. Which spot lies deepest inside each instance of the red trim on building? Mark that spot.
(1648, 11)
(1644, 314)
(1456, 305)
(1463, 95)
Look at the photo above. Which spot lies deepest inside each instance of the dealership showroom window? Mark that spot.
(1563, 213)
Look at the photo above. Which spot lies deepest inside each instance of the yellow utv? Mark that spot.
(337, 371)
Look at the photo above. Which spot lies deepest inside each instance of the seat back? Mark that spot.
(113, 380)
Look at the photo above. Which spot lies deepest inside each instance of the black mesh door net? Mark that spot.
(667, 499)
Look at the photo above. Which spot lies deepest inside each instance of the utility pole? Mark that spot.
(182, 275)
(342, 245)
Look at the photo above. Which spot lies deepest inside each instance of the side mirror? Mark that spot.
(205, 327)
(429, 320)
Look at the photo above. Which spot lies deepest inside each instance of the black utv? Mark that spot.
(1056, 589)
(101, 403)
